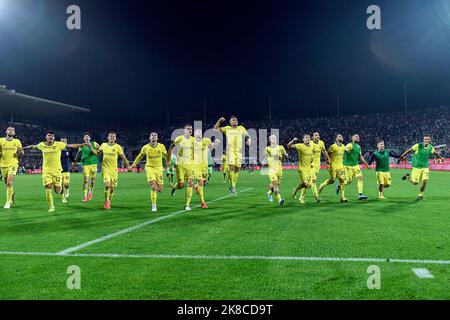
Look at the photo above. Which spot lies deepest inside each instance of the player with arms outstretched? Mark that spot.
(235, 135)
(51, 165)
(111, 152)
(352, 156)
(185, 164)
(421, 163)
(336, 167)
(305, 152)
(154, 153)
(274, 155)
(382, 169)
(10, 149)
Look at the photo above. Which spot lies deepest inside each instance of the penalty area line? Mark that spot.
(218, 257)
(137, 227)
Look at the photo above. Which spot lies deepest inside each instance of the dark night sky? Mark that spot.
(130, 55)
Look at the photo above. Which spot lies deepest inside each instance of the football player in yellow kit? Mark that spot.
(154, 152)
(319, 149)
(235, 135)
(336, 167)
(10, 149)
(51, 165)
(305, 161)
(200, 164)
(185, 164)
(274, 155)
(111, 152)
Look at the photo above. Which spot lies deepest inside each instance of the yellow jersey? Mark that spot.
(8, 152)
(51, 156)
(201, 152)
(235, 138)
(336, 156)
(153, 154)
(111, 154)
(318, 147)
(305, 156)
(186, 154)
(274, 156)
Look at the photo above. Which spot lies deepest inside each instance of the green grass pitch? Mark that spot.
(207, 254)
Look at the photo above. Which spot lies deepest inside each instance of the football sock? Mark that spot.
(153, 196)
(9, 194)
(49, 196)
(342, 190)
(360, 186)
(188, 196)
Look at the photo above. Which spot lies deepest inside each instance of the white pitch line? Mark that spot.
(136, 227)
(216, 257)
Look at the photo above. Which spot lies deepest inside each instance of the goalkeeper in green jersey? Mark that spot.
(421, 163)
(382, 169)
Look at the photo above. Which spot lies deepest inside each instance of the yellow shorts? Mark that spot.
(110, 178)
(234, 159)
(315, 173)
(9, 171)
(184, 172)
(90, 171)
(198, 172)
(338, 174)
(154, 174)
(420, 174)
(352, 172)
(205, 173)
(65, 177)
(54, 178)
(275, 175)
(384, 178)
(305, 176)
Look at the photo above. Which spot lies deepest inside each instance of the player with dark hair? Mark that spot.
(421, 163)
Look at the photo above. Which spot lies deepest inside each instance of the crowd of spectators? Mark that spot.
(399, 130)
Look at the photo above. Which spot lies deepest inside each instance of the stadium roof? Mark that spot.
(18, 103)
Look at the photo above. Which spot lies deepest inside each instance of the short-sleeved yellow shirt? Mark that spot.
(111, 154)
(51, 156)
(8, 152)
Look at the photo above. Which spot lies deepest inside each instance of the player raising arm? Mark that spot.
(235, 135)
(51, 165)
(421, 163)
(111, 151)
(154, 153)
(274, 155)
(381, 158)
(10, 149)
